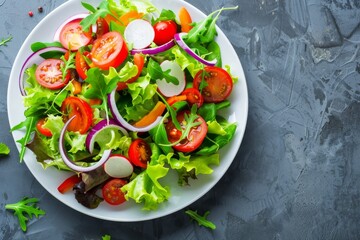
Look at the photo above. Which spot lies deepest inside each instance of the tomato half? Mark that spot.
(109, 50)
(112, 193)
(193, 96)
(219, 84)
(195, 137)
(48, 74)
(73, 37)
(40, 127)
(164, 31)
(139, 153)
(139, 61)
(76, 106)
(80, 64)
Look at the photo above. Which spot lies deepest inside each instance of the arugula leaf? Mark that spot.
(36, 46)
(165, 15)
(215, 53)
(201, 220)
(25, 206)
(99, 88)
(29, 124)
(68, 64)
(4, 149)
(156, 72)
(205, 31)
(101, 11)
(5, 40)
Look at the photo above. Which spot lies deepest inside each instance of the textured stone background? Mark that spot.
(297, 173)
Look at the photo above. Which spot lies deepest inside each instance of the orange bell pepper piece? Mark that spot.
(185, 20)
(151, 116)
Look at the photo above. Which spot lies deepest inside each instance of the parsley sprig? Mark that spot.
(25, 209)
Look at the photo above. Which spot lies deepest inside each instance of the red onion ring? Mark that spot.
(69, 162)
(178, 38)
(90, 139)
(117, 116)
(34, 58)
(155, 50)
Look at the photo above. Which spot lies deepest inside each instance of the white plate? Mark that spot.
(129, 212)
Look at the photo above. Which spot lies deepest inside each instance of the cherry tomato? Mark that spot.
(164, 31)
(193, 96)
(76, 106)
(139, 153)
(73, 37)
(40, 127)
(49, 74)
(219, 84)
(80, 64)
(195, 137)
(109, 50)
(139, 61)
(112, 193)
(102, 27)
(69, 183)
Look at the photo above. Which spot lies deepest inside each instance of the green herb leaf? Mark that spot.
(165, 15)
(201, 220)
(5, 40)
(4, 149)
(29, 124)
(205, 31)
(106, 237)
(156, 72)
(27, 206)
(100, 11)
(68, 64)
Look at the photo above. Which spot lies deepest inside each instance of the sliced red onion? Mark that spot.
(155, 50)
(72, 18)
(103, 124)
(32, 59)
(178, 38)
(117, 116)
(69, 162)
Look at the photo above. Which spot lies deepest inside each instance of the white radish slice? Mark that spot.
(139, 33)
(168, 89)
(118, 166)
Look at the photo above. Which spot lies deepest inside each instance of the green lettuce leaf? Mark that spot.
(145, 187)
(128, 71)
(186, 61)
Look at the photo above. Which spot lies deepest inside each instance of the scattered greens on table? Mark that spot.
(201, 220)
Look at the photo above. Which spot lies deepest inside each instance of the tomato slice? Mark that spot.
(195, 137)
(69, 183)
(139, 61)
(112, 193)
(193, 96)
(102, 27)
(219, 84)
(40, 127)
(48, 74)
(76, 106)
(164, 31)
(109, 50)
(139, 153)
(73, 37)
(80, 64)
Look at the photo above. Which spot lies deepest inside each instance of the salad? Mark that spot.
(123, 95)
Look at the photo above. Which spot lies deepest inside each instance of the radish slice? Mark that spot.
(69, 162)
(118, 166)
(35, 58)
(155, 50)
(72, 18)
(117, 116)
(170, 89)
(178, 38)
(139, 33)
(103, 124)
